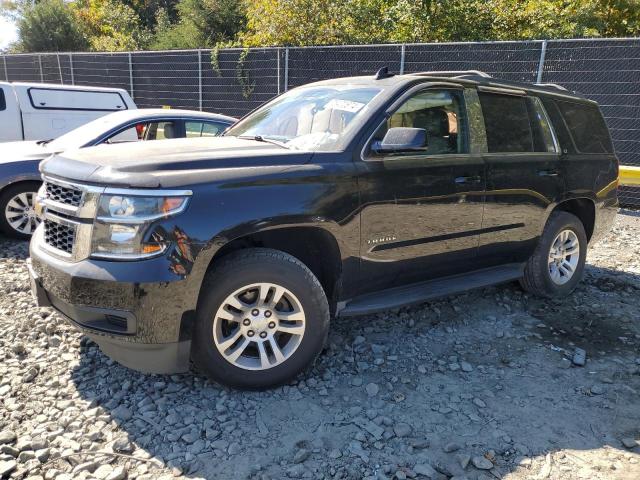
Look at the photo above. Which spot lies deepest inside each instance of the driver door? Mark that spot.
(421, 210)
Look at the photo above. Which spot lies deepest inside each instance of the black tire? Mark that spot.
(6, 195)
(244, 268)
(537, 278)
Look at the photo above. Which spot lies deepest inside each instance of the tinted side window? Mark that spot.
(3, 101)
(506, 121)
(586, 126)
(516, 124)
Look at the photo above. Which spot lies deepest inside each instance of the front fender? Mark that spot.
(321, 196)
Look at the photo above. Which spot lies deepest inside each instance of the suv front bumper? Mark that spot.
(139, 313)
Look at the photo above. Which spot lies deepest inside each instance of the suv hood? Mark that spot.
(170, 163)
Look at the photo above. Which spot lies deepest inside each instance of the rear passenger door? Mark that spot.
(524, 174)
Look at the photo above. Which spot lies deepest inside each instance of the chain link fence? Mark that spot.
(236, 81)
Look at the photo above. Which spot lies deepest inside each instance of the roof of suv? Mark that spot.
(468, 77)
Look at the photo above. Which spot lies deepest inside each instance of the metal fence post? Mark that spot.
(543, 54)
(402, 55)
(60, 69)
(286, 68)
(200, 79)
(73, 79)
(6, 72)
(130, 75)
(41, 72)
(278, 67)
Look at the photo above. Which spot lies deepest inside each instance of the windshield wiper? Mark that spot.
(44, 142)
(260, 138)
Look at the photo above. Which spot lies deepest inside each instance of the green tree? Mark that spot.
(110, 25)
(200, 24)
(49, 26)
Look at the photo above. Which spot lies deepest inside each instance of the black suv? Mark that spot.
(342, 197)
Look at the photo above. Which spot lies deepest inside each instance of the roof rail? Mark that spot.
(453, 72)
(553, 85)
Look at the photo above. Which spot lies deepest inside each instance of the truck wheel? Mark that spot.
(262, 318)
(557, 264)
(17, 215)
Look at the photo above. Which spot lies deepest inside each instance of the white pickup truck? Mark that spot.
(40, 111)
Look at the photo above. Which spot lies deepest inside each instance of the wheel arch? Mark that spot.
(314, 246)
(582, 207)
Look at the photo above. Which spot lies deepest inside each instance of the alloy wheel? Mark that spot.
(259, 326)
(20, 213)
(564, 256)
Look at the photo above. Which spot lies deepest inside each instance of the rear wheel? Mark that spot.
(557, 264)
(262, 318)
(18, 218)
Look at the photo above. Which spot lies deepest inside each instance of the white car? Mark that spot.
(19, 175)
(31, 111)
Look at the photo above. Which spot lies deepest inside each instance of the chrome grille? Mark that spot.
(65, 195)
(58, 236)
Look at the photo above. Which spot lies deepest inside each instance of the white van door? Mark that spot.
(10, 119)
(51, 112)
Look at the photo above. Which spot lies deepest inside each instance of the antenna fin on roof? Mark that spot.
(383, 73)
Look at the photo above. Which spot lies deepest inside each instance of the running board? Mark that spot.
(424, 291)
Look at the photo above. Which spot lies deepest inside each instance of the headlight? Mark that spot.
(123, 220)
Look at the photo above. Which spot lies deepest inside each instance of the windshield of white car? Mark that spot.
(88, 132)
(310, 118)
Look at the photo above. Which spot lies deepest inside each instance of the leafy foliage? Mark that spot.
(200, 24)
(49, 25)
(322, 22)
(46, 25)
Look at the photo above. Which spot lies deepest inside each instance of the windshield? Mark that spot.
(309, 118)
(88, 132)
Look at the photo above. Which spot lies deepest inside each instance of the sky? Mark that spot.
(8, 32)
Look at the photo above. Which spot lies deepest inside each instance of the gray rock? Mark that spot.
(451, 447)
(6, 467)
(579, 357)
(372, 389)
(402, 429)
(118, 473)
(7, 436)
(301, 455)
(466, 367)
(121, 413)
(479, 403)
(481, 463)
(463, 460)
(25, 456)
(103, 472)
(428, 471)
(597, 390)
(9, 450)
(30, 376)
(123, 445)
(629, 442)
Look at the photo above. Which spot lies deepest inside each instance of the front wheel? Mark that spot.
(557, 264)
(262, 318)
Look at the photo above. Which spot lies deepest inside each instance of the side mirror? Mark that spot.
(402, 139)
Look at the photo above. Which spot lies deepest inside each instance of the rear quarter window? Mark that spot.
(586, 126)
(3, 101)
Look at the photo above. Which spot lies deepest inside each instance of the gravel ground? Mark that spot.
(479, 386)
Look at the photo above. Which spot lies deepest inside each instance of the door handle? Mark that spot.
(549, 173)
(471, 179)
